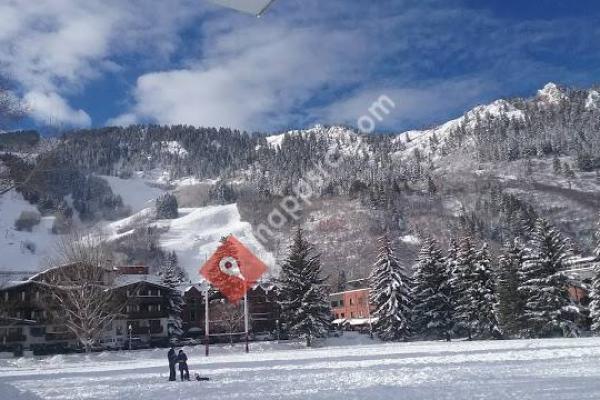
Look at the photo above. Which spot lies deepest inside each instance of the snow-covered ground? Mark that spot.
(196, 234)
(349, 368)
(23, 251)
(136, 192)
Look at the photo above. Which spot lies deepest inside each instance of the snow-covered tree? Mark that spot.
(548, 308)
(167, 206)
(304, 303)
(432, 294)
(474, 290)
(509, 304)
(462, 282)
(172, 278)
(595, 303)
(485, 294)
(595, 292)
(390, 295)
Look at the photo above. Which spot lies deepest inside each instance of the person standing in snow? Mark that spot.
(183, 367)
(172, 361)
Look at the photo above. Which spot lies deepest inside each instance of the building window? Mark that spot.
(192, 315)
(350, 300)
(342, 314)
(23, 296)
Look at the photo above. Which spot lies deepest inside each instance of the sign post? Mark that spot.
(233, 269)
(204, 288)
(246, 321)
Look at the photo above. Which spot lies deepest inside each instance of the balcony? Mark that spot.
(147, 314)
(147, 330)
(52, 336)
(13, 338)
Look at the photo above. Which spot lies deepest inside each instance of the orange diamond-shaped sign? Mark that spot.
(233, 269)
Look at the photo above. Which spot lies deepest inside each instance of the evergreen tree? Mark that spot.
(548, 309)
(595, 303)
(432, 294)
(304, 304)
(391, 295)
(595, 293)
(171, 278)
(463, 286)
(485, 295)
(342, 282)
(509, 301)
(167, 207)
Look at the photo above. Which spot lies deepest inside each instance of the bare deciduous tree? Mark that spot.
(229, 318)
(80, 292)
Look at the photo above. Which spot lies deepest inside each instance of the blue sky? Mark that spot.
(99, 62)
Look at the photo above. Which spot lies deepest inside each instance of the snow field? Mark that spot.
(352, 367)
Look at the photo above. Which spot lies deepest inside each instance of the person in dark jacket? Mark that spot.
(172, 361)
(183, 367)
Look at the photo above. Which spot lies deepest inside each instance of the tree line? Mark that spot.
(466, 293)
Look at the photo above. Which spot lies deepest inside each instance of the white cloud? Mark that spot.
(59, 46)
(126, 119)
(51, 109)
(412, 105)
(249, 78)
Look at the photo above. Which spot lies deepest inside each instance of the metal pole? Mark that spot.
(246, 320)
(369, 316)
(206, 322)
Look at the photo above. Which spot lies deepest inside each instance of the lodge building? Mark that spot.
(25, 323)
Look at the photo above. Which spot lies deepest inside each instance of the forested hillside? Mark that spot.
(487, 174)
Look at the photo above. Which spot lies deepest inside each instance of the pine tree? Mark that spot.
(485, 292)
(509, 301)
(595, 292)
(342, 282)
(432, 294)
(167, 207)
(304, 304)
(391, 295)
(462, 281)
(171, 278)
(548, 309)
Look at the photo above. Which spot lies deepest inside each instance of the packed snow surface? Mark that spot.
(350, 367)
(136, 192)
(196, 234)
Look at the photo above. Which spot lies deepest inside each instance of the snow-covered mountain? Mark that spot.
(479, 172)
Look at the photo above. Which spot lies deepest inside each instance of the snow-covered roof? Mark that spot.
(130, 279)
(354, 321)
(349, 291)
(361, 321)
(13, 284)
